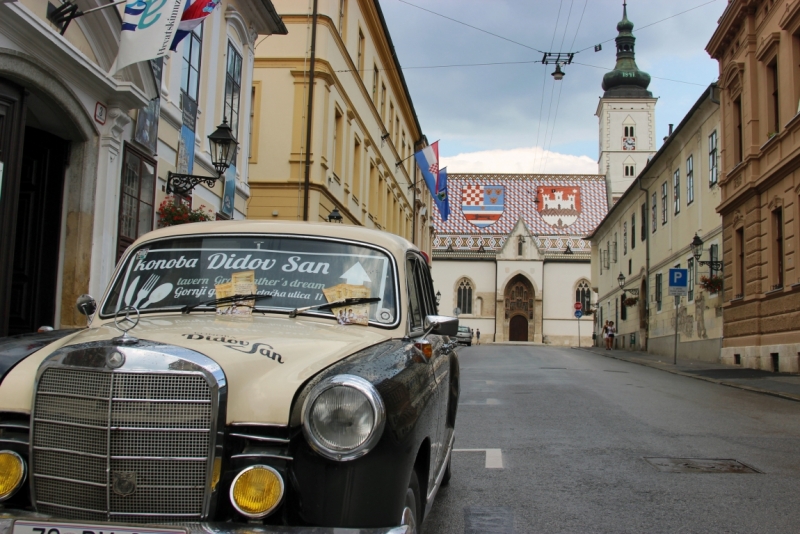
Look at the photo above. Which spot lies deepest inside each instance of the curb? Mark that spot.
(751, 389)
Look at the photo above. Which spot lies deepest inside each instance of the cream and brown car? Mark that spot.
(237, 377)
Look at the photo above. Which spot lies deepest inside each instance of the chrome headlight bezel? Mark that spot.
(23, 478)
(378, 411)
(267, 512)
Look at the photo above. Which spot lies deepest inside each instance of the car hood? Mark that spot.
(265, 359)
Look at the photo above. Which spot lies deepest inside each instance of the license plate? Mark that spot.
(35, 527)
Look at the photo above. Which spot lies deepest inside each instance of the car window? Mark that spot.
(426, 288)
(463, 329)
(414, 306)
(171, 273)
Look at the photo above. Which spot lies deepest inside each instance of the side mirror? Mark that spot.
(441, 325)
(86, 305)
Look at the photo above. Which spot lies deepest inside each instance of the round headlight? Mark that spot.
(257, 491)
(12, 473)
(343, 417)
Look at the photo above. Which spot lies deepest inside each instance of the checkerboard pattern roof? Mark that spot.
(520, 201)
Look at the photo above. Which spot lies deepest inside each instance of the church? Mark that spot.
(512, 260)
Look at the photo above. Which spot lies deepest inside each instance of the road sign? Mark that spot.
(679, 282)
(578, 314)
(578, 306)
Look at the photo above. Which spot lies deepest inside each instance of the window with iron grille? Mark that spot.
(190, 65)
(625, 239)
(676, 191)
(644, 220)
(690, 270)
(233, 88)
(659, 280)
(664, 203)
(712, 158)
(583, 294)
(633, 230)
(136, 213)
(653, 214)
(465, 296)
(690, 180)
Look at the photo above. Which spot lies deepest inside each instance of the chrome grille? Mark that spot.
(92, 426)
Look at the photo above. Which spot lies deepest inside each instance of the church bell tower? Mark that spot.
(627, 113)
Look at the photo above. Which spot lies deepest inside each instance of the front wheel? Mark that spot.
(412, 507)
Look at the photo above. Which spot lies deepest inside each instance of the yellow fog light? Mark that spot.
(257, 491)
(12, 473)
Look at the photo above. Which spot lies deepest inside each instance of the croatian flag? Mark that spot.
(195, 13)
(428, 163)
(441, 197)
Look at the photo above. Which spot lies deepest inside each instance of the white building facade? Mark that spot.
(512, 261)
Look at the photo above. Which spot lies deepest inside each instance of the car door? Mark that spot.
(440, 363)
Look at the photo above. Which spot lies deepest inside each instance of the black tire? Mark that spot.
(448, 471)
(469, 344)
(412, 509)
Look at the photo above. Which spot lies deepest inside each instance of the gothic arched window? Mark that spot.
(465, 296)
(583, 294)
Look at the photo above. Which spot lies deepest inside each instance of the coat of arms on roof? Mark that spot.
(559, 206)
(483, 205)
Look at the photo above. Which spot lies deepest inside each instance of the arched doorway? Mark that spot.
(519, 300)
(518, 328)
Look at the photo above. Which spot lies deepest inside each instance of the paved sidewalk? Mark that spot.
(780, 385)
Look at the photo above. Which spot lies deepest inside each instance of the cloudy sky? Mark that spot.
(514, 117)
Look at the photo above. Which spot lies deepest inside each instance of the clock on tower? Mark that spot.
(628, 143)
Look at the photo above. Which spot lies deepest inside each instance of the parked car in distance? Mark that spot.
(237, 376)
(464, 335)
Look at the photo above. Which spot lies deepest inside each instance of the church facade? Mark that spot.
(512, 261)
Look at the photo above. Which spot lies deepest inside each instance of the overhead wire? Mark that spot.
(550, 106)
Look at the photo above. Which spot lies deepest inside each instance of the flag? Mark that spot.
(428, 163)
(147, 31)
(195, 13)
(441, 198)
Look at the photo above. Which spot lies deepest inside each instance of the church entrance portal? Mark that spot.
(518, 329)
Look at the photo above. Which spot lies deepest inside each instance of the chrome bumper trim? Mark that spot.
(8, 516)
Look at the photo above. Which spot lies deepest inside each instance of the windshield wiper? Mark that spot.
(337, 304)
(224, 300)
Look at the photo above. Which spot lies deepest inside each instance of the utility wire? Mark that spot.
(447, 66)
(471, 26)
(655, 77)
(549, 145)
(550, 107)
(585, 3)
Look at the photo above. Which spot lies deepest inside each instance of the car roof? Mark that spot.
(394, 243)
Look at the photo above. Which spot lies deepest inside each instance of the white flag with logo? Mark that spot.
(148, 27)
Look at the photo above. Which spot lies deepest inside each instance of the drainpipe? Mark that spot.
(307, 183)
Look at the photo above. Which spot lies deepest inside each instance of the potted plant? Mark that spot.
(712, 284)
(631, 301)
(174, 211)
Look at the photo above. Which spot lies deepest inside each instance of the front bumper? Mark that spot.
(7, 518)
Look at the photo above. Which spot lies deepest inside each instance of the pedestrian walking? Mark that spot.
(610, 337)
(478, 336)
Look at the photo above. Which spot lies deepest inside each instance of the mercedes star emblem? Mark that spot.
(126, 319)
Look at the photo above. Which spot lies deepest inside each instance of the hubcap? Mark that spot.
(409, 519)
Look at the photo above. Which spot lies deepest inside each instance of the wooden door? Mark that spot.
(38, 233)
(518, 329)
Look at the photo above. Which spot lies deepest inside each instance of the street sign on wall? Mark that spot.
(578, 314)
(678, 282)
(578, 306)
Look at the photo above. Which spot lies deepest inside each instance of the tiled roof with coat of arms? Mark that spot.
(557, 209)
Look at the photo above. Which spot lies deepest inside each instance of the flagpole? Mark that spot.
(307, 183)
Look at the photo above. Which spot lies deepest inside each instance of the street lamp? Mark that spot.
(223, 145)
(335, 216)
(438, 297)
(621, 282)
(697, 252)
(558, 74)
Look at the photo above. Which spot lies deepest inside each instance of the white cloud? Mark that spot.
(529, 160)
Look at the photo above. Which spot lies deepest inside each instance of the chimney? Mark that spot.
(670, 129)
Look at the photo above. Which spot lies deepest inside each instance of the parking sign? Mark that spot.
(679, 282)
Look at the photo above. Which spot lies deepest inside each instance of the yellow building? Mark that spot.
(364, 129)
(650, 230)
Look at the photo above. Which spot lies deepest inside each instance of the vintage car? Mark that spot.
(236, 377)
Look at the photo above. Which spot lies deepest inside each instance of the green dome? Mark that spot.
(626, 80)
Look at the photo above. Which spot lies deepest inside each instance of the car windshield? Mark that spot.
(169, 274)
(463, 329)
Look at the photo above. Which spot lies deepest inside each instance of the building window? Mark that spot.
(375, 75)
(773, 99)
(361, 46)
(337, 143)
(630, 170)
(629, 131)
(633, 230)
(659, 280)
(190, 65)
(654, 213)
(356, 183)
(625, 239)
(583, 294)
(465, 297)
(676, 191)
(738, 132)
(342, 15)
(690, 180)
(233, 88)
(519, 247)
(664, 203)
(623, 312)
(383, 102)
(690, 272)
(712, 158)
(777, 251)
(739, 252)
(137, 197)
(644, 220)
